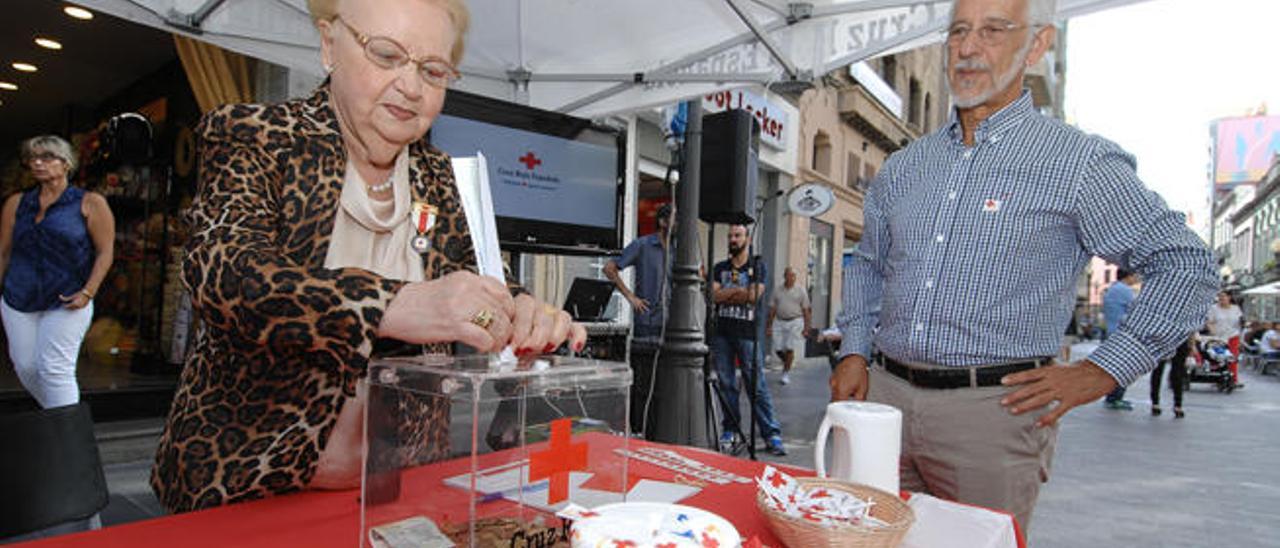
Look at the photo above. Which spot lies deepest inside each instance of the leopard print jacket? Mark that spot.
(282, 340)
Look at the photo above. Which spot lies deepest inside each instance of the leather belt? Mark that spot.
(957, 377)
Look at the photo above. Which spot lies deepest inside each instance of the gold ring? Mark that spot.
(549, 310)
(483, 318)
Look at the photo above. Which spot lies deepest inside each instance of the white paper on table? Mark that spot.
(647, 490)
(514, 485)
(945, 524)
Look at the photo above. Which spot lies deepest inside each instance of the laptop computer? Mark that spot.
(587, 299)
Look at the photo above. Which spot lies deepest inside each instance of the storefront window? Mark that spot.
(818, 276)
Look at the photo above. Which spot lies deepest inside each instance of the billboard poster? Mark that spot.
(1244, 149)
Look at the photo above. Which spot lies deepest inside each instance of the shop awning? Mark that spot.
(1272, 288)
(603, 56)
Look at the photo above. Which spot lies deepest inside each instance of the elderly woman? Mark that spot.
(324, 226)
(56, 245)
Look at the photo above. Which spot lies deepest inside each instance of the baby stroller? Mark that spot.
(1214, 365)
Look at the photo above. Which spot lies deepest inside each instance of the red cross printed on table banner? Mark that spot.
(529, 160)
(558, 460)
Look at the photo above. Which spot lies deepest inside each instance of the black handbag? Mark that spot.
(50, 472)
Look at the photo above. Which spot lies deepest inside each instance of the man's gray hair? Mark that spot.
(53, 144)
(1039, 12)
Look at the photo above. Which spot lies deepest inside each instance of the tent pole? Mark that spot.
(764, 39)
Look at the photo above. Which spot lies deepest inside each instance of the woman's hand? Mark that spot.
(447, 310)
(540, 328)
(76, 301)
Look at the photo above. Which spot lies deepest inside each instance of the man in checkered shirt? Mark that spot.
(974, 237)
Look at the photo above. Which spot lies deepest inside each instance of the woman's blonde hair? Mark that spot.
(53, 144)
(327, 10)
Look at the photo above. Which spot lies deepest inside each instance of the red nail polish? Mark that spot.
(548, 348)
(522, 352)
(578, 347)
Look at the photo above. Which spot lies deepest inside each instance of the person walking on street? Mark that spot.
(57, 242)
(1116, 303)
(788, 323)
(973, 239)
(1225, 320)
(1177, 374)
(737, 284)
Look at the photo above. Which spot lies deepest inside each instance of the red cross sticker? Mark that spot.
(777, 480)
(529, 160)
(558, 460)
(708, 541)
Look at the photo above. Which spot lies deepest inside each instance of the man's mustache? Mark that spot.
(972, 64)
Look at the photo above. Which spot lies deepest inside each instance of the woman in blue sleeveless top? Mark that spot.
(56, 245)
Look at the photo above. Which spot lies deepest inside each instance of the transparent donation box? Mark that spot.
(476, 451)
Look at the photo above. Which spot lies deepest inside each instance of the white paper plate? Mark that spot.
(650, 524)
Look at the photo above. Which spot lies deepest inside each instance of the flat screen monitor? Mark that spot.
(556, 180)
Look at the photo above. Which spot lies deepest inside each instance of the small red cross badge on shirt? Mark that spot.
(991, 205)
(558, 460)
(529, 160)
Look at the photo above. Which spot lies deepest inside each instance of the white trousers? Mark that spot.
(44, 347)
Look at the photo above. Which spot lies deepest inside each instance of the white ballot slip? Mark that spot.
(472, 177)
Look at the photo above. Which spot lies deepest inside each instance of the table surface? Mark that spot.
(332, 518)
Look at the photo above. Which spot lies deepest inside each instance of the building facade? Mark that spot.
(1251, 266)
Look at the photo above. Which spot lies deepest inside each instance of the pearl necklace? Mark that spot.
(382, 187)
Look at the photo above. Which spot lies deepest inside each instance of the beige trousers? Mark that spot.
(961, 444)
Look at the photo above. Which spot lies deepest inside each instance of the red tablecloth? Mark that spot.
(332, 518)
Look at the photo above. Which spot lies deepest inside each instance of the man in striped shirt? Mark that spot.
(974, 236)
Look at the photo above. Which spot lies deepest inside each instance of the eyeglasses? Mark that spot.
(43, 157)
(990, 34)
(389, 54)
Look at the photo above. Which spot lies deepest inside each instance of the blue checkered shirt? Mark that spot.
(970, 255)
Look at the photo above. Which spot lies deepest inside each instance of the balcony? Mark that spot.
(869, 117)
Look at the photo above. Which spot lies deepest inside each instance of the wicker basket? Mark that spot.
(798, 533)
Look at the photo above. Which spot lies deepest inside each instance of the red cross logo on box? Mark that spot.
(529, 160)
(558, 460)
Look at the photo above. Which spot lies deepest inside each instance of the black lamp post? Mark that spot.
(679, 401)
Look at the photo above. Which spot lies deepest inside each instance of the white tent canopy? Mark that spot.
(599, 57)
